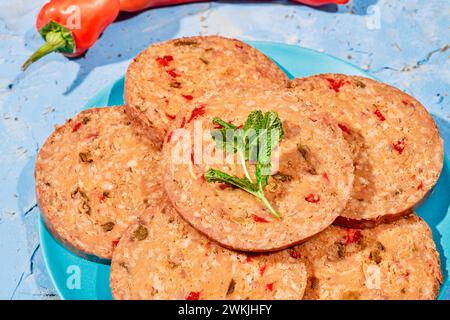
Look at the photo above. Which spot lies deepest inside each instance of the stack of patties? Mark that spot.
(186, 214)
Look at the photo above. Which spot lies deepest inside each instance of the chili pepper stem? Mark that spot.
(53, 42)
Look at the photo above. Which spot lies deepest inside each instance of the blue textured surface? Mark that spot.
(407, 48)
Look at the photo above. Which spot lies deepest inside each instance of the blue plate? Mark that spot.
(77, 278)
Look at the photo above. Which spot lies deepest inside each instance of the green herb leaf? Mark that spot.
(254, 143)
(214, 175)
(225, 137)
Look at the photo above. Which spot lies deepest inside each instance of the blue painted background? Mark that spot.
(406, 47)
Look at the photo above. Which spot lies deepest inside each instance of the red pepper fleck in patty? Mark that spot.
(399, 146)
(170, 116)
(325, 176)
(193, 295)
(91, 136)
(173, 73)
(207, 248)
(248, 259)
(164, 61)
(192, 155)
(183, 122)
(169, 137)
(269, 286)
(379, 115)
(239, 46)
(258, 218)
(295, 254)
(197, 112)
(188, 97)
(352, 236)
(344, 128)
(407, 103)
(420, 186)
(102, 198)
(336, 84)
(115, 243)
(313, 198)
(76, 127)
(263, 269)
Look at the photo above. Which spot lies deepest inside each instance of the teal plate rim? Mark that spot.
(295, 61)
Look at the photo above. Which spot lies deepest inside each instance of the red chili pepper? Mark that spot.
(352, 236)
(313, 198)
(72, 26)
(248, 259)
(325, 176)
(193, 295)
(399, 146)
(258, 218)
(379, 115)
(138, 5)
(115, 243)
(344, 128)
(321, 2)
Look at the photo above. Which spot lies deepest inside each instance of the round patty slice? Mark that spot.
(390, 261)
(172, 74)
(309, 187)
(398, 153)
(95, 175)
(163, 257)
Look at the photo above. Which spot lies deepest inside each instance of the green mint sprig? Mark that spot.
(253, 143)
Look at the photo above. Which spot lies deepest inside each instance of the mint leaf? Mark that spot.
(214, 175)
(254, 143)
(225, 137)
(270, 134)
